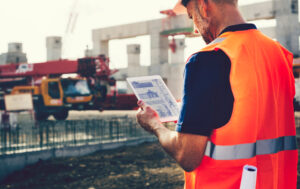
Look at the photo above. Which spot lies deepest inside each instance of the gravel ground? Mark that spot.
(144, 166)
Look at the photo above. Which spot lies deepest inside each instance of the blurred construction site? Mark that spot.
(66, 107)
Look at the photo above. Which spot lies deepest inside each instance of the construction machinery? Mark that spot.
(55, 92)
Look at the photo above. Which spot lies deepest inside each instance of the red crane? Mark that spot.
(56, 95)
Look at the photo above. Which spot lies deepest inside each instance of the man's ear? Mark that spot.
(203, 7)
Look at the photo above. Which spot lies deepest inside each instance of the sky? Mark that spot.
(31, 21)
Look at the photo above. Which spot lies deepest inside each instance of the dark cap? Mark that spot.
(185, 2)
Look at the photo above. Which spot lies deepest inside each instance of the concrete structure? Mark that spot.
(160, 64)
(171, 65)
(54, 48)
(285, 12)
(14, 55)
(159, 43)
(288, 28)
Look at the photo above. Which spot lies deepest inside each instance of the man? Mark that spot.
(237, 105)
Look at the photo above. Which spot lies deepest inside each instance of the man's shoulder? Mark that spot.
(207, 56)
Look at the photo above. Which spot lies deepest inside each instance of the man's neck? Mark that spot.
(230, 17)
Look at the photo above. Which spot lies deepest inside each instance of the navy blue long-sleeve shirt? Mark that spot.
(207, 99)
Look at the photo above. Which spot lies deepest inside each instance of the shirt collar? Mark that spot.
(238, 27)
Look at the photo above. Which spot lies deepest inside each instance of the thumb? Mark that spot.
(142, 104)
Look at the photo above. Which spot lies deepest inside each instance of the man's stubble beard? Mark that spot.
(206, 32)
(207, 37)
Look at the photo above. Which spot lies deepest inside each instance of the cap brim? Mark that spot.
(179, 8)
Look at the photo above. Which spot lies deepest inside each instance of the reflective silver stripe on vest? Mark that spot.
(246, 151)
(217, 40)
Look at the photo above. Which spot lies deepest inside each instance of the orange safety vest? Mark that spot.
(261, 131)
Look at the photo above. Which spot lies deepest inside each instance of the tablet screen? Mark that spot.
(154, 92)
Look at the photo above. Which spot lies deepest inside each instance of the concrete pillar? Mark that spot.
(159, 51)
(54, 48)
(134, 67)
(133, 54)
(15, 47)
(173, 73)
(177, 57)
(101, 47)
(287, 29)
(2, 58)
(88, 53)
(14, 55)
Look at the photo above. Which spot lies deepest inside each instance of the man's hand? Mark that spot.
(147, 117)
(186, 149)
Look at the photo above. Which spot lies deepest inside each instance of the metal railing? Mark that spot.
(35, 136)
(297, 120)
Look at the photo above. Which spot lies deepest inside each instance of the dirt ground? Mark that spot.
(144, 166)
(135, 167)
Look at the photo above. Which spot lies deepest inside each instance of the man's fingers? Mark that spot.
(139, 111)
(141, 104)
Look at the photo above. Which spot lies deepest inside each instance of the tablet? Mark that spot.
(154, 92)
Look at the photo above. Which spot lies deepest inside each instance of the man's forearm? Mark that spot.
(168, 140)
(186, 149)
(171, 143)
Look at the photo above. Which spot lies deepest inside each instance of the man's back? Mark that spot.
(261, 131)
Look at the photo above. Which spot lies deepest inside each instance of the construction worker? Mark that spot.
(237, 107)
